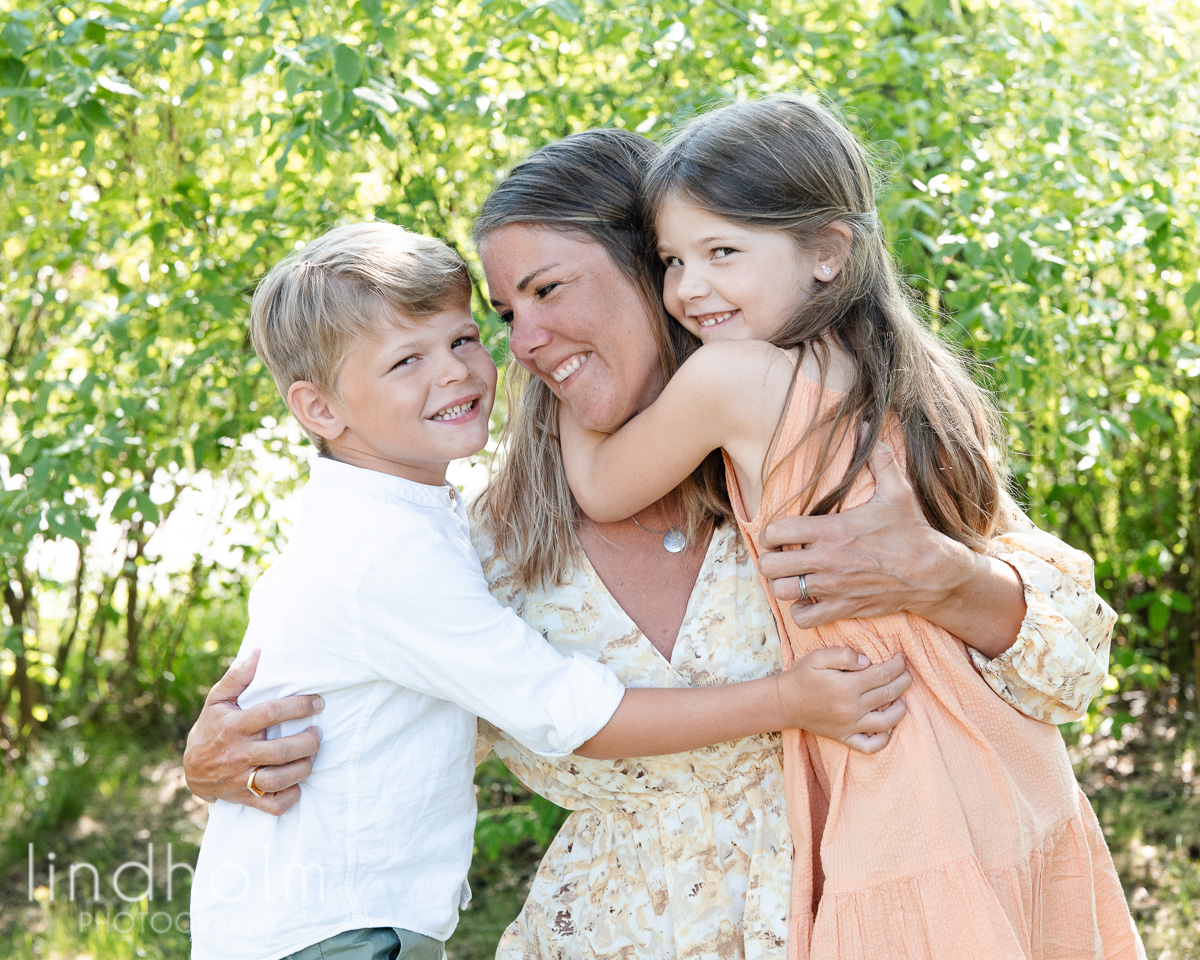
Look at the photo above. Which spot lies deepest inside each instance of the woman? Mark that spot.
(689, 855)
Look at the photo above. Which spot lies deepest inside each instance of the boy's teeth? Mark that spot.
(569, 367)
(716, 318)
(451, 412)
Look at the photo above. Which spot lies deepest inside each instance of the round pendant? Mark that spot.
(674, 542)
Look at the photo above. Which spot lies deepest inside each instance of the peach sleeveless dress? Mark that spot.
(967, 835)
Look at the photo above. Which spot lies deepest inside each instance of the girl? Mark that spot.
(812, 355)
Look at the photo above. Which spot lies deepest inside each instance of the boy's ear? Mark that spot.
(313, 410)
(833, 251)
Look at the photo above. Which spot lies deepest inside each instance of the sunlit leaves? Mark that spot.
(156, 158)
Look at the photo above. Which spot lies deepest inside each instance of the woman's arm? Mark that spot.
(227, 742)
(1028, 606)
(722, 396)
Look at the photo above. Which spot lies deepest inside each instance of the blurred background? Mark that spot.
(156, 158)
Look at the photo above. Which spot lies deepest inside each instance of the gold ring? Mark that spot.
(250, 783)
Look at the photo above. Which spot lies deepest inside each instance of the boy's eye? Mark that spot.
(404, 362)
(459, 341)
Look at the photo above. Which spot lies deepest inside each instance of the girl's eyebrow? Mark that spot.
(701, 241)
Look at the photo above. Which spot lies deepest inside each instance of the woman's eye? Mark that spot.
(506, 317)
(546, 289)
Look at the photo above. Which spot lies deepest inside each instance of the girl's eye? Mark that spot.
(721, 252)
(672, 262)
(404, 362)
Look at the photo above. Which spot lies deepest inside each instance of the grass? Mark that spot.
(103, 798)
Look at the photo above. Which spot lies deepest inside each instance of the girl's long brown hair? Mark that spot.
(785, 163)
(588, 184)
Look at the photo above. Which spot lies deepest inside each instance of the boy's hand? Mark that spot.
(837, 693)
(228, 742)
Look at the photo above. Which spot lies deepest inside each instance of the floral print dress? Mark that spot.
(689, 856)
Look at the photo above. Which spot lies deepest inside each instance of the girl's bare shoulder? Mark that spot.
(830, 363)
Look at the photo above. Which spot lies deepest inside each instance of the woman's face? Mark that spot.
(574, 321)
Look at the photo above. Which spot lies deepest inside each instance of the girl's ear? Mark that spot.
(313, 411)
(832, 251)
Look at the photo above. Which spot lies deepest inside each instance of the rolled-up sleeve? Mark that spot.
(428, 623)
(1060, 658)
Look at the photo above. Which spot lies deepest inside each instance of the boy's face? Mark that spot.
(415, 397)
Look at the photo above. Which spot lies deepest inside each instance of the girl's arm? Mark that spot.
(726, 394)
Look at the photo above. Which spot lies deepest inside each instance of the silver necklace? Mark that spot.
(673, 540)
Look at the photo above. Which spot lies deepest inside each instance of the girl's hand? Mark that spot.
(228, 742)
(883, 557)
(837, 693)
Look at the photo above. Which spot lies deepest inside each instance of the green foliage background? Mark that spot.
(157, 157)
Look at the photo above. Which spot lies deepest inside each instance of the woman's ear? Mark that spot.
(314, 411)
(832, 251)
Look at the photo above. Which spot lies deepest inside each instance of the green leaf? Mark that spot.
(347, 64)
(377, 98)
(258, 63)
(17, 37)
(1022, 259)
(93, 113)
(116, 85)
(1192, 296)
(1156, 219)
(566, 9)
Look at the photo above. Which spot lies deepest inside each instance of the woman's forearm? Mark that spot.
(981, 600)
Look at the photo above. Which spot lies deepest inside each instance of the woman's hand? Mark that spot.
(227, 742)
(883, 557)
(837, 693)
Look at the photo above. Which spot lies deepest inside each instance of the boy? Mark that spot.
(379, 604)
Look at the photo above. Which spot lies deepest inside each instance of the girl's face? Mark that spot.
(726, 281)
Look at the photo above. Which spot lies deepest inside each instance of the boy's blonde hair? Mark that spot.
(316, 303)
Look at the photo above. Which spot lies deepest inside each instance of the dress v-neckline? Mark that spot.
(601, 590)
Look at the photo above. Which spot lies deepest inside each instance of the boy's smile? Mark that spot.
(414, 397)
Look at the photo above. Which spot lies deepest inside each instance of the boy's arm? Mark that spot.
(429, 624)
(721, 395)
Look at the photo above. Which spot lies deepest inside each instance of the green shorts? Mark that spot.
(380, 943)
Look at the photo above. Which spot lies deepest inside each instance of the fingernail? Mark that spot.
(864, 661)
(318, 732)
(318, 704)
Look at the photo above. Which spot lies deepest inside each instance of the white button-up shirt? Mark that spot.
(379, 605)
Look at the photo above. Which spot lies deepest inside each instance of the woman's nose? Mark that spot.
(526, 336)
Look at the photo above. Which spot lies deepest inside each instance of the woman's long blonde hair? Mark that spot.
(588, 184)
(785, 163)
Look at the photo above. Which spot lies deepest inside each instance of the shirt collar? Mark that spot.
(326, 470)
